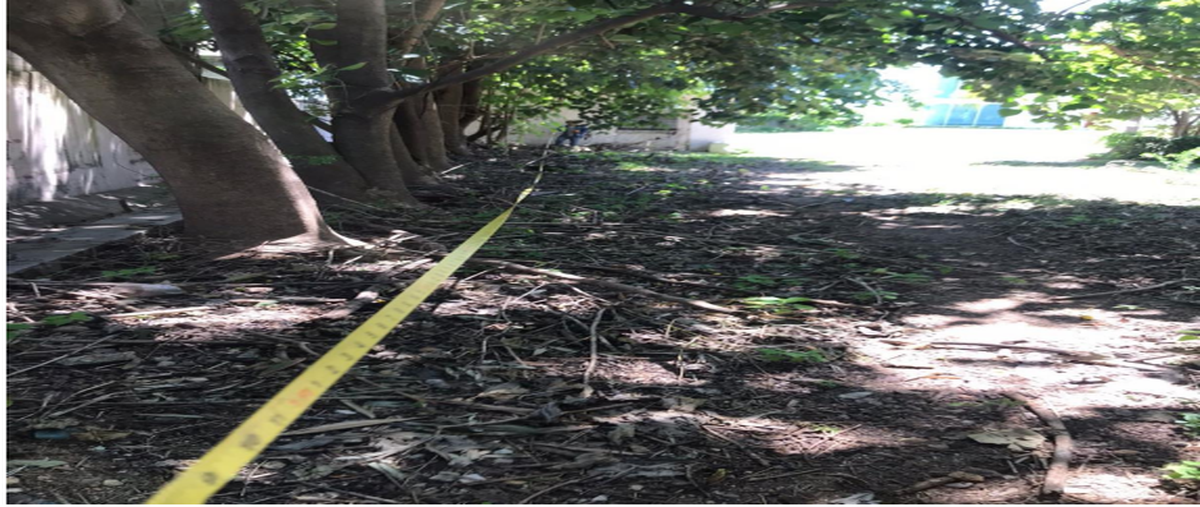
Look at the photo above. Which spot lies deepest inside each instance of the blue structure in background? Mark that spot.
(947, 111)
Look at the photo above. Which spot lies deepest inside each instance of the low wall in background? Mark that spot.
(55, 150)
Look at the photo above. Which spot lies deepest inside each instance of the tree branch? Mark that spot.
(422, 22)
(672, 7)
(999, 34)
(711, 12)
(1131, 57)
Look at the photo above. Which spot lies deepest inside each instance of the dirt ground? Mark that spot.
(878, 334)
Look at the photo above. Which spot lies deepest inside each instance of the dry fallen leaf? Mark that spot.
(1017, 439)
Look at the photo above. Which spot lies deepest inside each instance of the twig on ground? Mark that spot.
(348, 425)
(595, 357)
(351, 201)
(872, 290)
(1056, 475)
(161, 312)
(376, 499)
(656, 278)
(60, 358)
(1090, 356)
(940, 481)
(605, 283)
(1128, 291)
(762, 461)
(549, 489)
(383, 283)
(1031, 249)
(781, 476)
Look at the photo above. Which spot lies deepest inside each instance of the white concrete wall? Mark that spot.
(704, 135)
(56, 150)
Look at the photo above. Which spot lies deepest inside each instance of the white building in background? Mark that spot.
(943, 103)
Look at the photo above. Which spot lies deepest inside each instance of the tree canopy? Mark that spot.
(1117, 60)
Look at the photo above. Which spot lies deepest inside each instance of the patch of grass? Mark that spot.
(779, 305)
(789, 356)
(866, 297)
(125, 274)
(1183, 471)
(15, 330)
(1190, 422)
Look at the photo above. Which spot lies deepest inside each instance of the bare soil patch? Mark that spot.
(863, 388)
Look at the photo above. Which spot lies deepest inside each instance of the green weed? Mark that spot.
(1183, 471)
(779, 305)
(1190, 422)
(122, 274)
(789, 356)
(14, 330)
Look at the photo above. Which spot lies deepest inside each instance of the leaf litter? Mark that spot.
(476, 397)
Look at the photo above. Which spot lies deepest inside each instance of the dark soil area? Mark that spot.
(874, 334)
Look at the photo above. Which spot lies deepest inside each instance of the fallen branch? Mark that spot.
(1027, 247)
(604, 283)
(595, 336)
(1090, 356)
(940, 481)
(64, 356)
(1129, 291)
(383, 282)
(348, 425)
(1056, 475)
(168, 311)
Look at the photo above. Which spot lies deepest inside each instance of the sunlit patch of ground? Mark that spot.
(971, 161)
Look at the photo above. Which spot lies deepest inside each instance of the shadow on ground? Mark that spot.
(859, 389)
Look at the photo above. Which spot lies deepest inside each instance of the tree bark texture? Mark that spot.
(230, 182)
(409, 125)
(362, 127)
(415, 175)
(251, 67)
(471, 110)
(449, 102)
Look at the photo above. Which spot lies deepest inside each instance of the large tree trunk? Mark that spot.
(449, 103)
(362, 127)
(251, 67)
(229, 180)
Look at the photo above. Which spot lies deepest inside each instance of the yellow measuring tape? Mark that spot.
(222, 463)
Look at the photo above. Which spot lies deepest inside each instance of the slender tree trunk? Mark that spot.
(471, 109)
(251, 67)
(425, 109)
(417, 138)
(229, 180)
(1182, 123)
(449, 103)
(485, 125)
(362, 127)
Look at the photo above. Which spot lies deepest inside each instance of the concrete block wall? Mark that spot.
(55, 150)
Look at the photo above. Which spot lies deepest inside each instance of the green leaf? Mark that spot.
(323, 26)
(62, 320)
(356, 66)
(39, 463)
